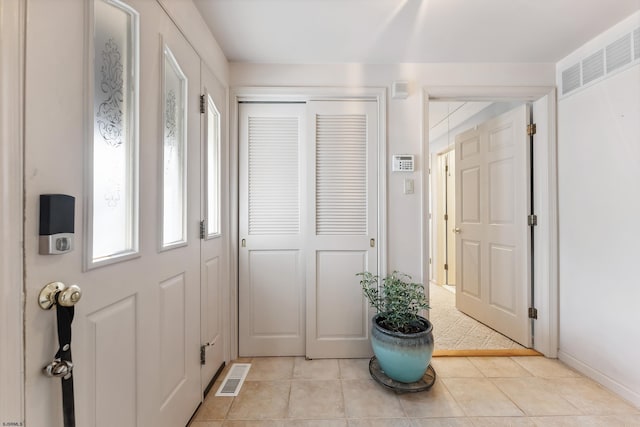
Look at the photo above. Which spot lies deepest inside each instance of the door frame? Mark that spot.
(12, 35)
(297, 94)
(545, 267)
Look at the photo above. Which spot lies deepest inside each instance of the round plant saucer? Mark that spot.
(423, 384)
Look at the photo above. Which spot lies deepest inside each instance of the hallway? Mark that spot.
(480, 391)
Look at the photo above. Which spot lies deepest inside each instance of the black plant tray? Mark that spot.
(423, 384)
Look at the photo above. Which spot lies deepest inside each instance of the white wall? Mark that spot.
(404, 129)
(599, 216)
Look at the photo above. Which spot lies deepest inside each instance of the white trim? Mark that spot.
(608, 382)
(545, 170)
(12, 374)
(299, 94)
(167, 55)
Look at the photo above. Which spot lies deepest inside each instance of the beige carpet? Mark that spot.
(454, 330)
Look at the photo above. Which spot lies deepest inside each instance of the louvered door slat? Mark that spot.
(341, 174)
(273, 176)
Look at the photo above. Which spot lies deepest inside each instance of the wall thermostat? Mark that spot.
(402, 163)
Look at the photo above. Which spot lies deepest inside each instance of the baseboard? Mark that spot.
(487, 353)
(608, 382)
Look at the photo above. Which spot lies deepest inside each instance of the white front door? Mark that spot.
(214, 229)
(136, 331)
(492, 247)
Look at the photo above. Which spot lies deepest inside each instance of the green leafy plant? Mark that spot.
(397, 299)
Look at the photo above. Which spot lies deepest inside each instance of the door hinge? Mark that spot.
(202, 110)
(429, 261)
(446, 266)
(203, 354)
(532, 220)
(446, 217)
(533, 313)
(531, 129)
(446, 168)
(202, 229)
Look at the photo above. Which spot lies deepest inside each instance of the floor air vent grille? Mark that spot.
(233, 381)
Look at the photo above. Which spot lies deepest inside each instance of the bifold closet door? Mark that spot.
(271, 259)
(342, 215)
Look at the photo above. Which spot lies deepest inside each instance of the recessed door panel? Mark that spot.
(172, 335)
(112, 337)
(470, 196)
(501, 192)
(502, 263)
(274, 282)
(341, 311)
(470, 268)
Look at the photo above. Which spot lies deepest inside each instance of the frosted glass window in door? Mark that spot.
(213, 169)
(113, 227)
(174, 165)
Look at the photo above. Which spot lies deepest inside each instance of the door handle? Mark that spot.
(244, 243)
(457, 230)
(59, 293)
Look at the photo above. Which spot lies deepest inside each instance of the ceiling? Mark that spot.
(396, 31)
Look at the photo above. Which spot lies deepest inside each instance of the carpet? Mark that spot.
(454, 330)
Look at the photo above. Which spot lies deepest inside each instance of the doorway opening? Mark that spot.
(479, 252)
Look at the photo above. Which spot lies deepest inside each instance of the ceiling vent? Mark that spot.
(606, 59)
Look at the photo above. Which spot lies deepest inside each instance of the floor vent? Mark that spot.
(233, 381)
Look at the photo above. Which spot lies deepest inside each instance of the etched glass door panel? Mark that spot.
(174, 153)
(113, 228)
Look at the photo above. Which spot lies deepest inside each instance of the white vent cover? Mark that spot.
(233, 381)
(399, 90)
(600, 59)
(571, 78)
(593, 67)
(619, 53)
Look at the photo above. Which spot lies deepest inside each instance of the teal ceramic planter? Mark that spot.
(402, 357)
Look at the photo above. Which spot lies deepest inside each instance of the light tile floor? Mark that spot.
(469, 391)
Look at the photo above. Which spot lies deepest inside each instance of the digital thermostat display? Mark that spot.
(402, 163)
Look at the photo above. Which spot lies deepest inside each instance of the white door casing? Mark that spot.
(271, 253)
(492, 200)
(341, 238)
(12, 24)
(136, 328)
(214, 245)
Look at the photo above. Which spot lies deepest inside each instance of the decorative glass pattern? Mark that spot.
(114, 200)
(174, 153)
(213, 169)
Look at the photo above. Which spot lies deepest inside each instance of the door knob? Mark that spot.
(457, 230)
(59, 293)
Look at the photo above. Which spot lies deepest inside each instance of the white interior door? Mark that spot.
(492, 247)
(215, 228)
(271, 258)
(136, 329)
(342, 223)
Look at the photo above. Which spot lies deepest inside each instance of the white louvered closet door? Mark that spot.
(271, 259)
(342, 227)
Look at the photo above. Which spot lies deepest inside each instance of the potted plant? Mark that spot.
(402, 340)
